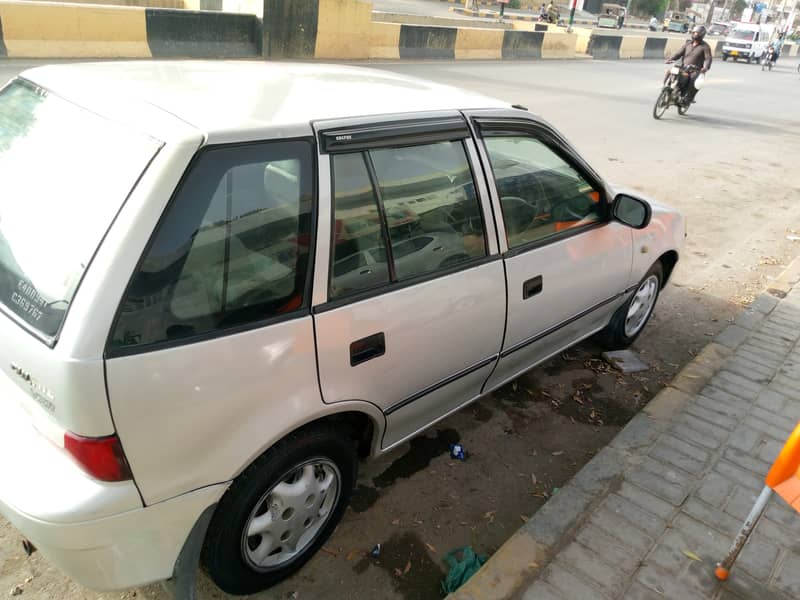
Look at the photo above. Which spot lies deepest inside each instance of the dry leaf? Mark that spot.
(353, 554)
(534, 481)
(329, 551)
(398, 573)
(692, 555)
(524, 518)
(408, 568)
(558, 453)
(431, 548)
(533, 565)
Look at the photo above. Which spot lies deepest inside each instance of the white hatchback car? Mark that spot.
(223, 284)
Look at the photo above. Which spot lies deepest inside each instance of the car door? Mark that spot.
(418, 334)
(567, 263)
(212, 351)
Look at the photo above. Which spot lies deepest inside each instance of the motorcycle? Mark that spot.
(768, 58)
(676, 90)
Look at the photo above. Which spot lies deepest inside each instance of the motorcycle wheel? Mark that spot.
(662, 104)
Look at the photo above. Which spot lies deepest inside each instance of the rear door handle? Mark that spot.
(367, 348)
(531, 287)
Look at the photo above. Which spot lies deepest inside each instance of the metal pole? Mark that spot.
(571, 15)
(723, 568)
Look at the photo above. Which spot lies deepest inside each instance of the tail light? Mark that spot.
(102, 458)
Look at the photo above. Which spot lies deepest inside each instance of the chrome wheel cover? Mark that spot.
(290, 515)
(641, 306)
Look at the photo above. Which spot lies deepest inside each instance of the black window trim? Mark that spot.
(398, 133)
(505, 127)
(112, 351)
(394, 283)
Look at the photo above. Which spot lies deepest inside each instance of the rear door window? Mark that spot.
(231, 251)
(412, 211)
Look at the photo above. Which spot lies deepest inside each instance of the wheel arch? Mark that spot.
(668, 261)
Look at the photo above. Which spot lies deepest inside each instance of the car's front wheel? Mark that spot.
(630, 319)
(280, 510)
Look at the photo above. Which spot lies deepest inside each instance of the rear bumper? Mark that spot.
(97, 533)
(126, 550)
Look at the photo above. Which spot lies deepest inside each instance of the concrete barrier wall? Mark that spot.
(419, 41)
(672, 46)
(474, 43)
(605, 47)
(559, 45)
(290, 28)
(341, 29)
(185, 33)
(384, 40)
(632, 46)
(48, 30)
(654, 48)
(324, 29)
(67, 30)
(3, 51)
(523, 44)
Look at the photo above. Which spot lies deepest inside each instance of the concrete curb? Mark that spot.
(530, 549)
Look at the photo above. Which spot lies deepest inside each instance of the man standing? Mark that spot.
(697, 53)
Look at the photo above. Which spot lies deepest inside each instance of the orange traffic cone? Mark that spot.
(784, 479)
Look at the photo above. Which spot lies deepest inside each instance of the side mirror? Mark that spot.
(632, 211)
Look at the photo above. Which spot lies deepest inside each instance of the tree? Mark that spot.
(648, 8)
(737, 8)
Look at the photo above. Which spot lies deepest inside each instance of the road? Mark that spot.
(434, 8)
(730, 165)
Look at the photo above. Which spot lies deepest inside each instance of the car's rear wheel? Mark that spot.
(280, 511)
(630, 319)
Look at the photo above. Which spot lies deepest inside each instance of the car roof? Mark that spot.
(237, 96)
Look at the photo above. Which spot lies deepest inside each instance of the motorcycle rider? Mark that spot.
(695, 52)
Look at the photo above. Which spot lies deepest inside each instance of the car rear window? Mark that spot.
(65, 173)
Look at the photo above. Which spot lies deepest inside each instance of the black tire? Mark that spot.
(223, 555)
(614, 336)
(662, 104)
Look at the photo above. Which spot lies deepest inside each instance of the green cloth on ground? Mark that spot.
(461, 571)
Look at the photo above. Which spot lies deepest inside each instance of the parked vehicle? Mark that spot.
(676, 21)
(612, 16)
(675, 90)
(189, 370)
(747, 41)
(719, 28)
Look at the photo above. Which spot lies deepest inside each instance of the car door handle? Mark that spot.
(531, 287)
(367, 348)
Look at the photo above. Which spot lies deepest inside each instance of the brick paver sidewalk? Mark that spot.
(676, 484)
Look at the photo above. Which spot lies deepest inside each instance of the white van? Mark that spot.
(747, 40)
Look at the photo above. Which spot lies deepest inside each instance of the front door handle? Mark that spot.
(367, 348)
(532, 287)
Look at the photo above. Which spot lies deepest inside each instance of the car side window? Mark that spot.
(541, 194)
(232, 248)
(357, 236)
(418, 213)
